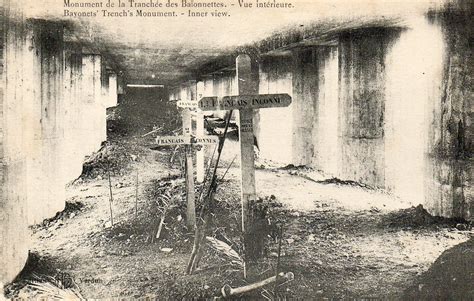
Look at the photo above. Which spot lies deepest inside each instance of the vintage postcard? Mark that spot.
(236, 149)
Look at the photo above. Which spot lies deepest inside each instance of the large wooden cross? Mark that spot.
(246, 101)
(188, 140)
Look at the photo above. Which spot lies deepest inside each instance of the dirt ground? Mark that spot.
(340, 240)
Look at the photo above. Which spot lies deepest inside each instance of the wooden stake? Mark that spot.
(206, 209)
(228, 167)
(111, 200)
(278, 258)
(160, 226)
(136, 198)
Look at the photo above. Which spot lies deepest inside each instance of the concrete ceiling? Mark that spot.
(167, 51)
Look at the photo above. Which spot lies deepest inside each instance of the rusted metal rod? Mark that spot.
(228, 291)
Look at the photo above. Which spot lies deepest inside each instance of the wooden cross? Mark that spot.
(245, 102)
(199, 117)
(187, 139)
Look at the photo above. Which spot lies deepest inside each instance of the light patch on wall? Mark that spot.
(275, 124)
(414, 71)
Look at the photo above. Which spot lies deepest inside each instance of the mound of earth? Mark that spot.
(450, 278)
(418, 217)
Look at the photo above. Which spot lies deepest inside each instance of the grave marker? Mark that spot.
(188, 140)
(190, 196)
(246, 102)
(239, 102)
(199, 116)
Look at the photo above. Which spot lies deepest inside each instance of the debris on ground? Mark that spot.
(71, 209)
(417, 217)
(162, 196)
(338, 181)
(111, 156)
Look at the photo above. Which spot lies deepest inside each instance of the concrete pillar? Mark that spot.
(94, 110)
(74, 154)
(275, 135)
(208, 85)
(305, 91)
(112, 100)
(103, 102)
(325, 135)
(14, 238)
(174, 94)
(362, 85)
(413, 68)
(46, 190)
(224, 85)
(120, 85)
(450, 165)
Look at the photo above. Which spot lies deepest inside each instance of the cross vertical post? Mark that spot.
(190, 195)
(246, 86)
(200, 132)
(246, 102)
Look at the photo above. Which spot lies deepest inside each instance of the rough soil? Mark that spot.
(339, 239)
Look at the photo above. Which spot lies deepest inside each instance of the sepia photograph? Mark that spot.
(236, 150)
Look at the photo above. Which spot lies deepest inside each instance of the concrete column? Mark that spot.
(362, 86)
(325, 135)
(449, 189)
(14, 238)
(305, 91)
(208, 87)
(275, 135)
(224, 85)
(94, 110)
(74, 154)
(103, 102)
(411, 83)
(120, 85)
(113, 95)
(45, 114)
